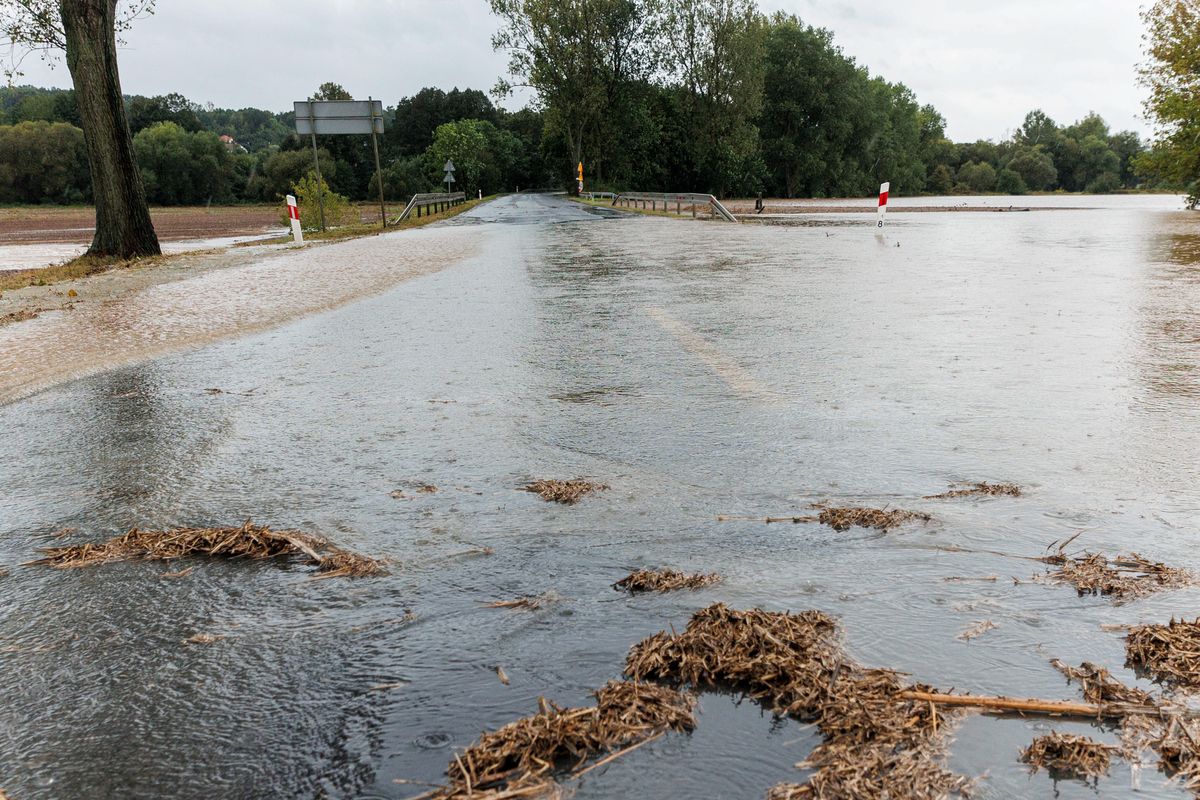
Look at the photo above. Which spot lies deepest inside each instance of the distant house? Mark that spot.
(231, 144)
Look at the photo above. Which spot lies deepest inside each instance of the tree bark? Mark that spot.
(123, 226)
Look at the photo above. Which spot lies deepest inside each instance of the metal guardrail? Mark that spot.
(692, 199)
(439, 201)
(601, 195)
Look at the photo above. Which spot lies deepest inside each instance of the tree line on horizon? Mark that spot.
(653, 95)
(779, 110)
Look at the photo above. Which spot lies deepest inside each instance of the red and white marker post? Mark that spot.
(294, 216)
(884, 188)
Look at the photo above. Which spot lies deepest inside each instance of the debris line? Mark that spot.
(247, 541)
(664, 580)
(978, 489)
(842, 519)
(522, 758)
(1124, 578)
(565, 492)
(878, 743)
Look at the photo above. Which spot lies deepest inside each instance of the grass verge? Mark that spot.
(373, 228)
(72, 270)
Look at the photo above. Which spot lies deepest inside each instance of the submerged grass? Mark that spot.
(978, 489)
(74, 269)
(522, 758)
(842, 519)
(877, 743)
(567, 492)
(664, 580)
(1068, 755)
(247, 541)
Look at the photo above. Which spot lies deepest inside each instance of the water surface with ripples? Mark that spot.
(699, 369)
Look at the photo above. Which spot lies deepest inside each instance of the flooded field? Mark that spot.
(38, 236)
(699, 370)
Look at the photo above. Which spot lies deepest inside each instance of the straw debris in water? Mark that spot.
(877, 743)
(665, 580)
(247, 541)
(1169, 653)
(842, 519)
(565, 492)
(1099, 686)
(520, 759)
(525, 603)
(1068, 755)
(1124, 578)
(1171, 730)
(979, 489)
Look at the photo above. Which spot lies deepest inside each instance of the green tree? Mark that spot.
(146, 111)
(1010, 182)
(1035, 168)
(941, 180)
(407, 176)
(576, 54)
(483, 155)
(182, 168)
(1038, 129)
(43, 162)
(977, 176)
(1172, 74)
(715, 49)
(416, 118)
(812, 111)
(87, 31)
(331, 91)
(283, 169)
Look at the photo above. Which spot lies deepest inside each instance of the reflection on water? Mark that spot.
(1036, 348)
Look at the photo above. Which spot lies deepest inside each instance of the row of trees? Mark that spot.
(705, 94)
(711, 95)
(182, 160)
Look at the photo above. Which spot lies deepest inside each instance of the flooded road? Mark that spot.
(698, 369)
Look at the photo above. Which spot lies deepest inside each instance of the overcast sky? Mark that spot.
(982, 64)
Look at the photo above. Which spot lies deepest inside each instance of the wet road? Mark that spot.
(699, 369)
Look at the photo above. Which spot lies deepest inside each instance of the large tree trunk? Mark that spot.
(123, 227)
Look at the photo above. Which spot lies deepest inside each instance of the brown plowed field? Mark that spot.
(44, 225)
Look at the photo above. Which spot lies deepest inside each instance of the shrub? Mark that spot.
(338, 210)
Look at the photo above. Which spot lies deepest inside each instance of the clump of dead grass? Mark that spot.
(1100, 687)
(531, 603)
(522, 758)
(1171, 730)
(1124, 578)
(877, 743)
(978, 489)
(1068, 755)
(247, 541)
(665, 580)
(565, 492)
(1169, 653)
(881, 519)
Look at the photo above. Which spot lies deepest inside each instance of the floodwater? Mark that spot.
(699, 369)
(46, 254)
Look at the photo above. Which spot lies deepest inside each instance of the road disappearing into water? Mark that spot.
(696, 368)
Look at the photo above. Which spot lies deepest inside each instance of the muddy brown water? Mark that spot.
(698, 369)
